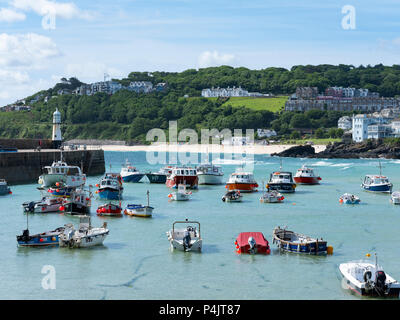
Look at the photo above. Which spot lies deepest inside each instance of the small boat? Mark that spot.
(84, 236)
(139, 210)
(367, 279)
(109, 210)
(242, 181)
(78, 204)
(232, 196)
(160, 176)
(252, 242)
(209, 174)
(47, 204)
(129, 173)
(45, 239)
(281, 181)
(395, 197)
(4, 189)
(377, 183)
(110, 187)
(306, 175)
(61, 172)
(185, 239)
(349, 198)
(183, 175)
(295, 242)
(181, 195)
(60, 190)
(272, 197)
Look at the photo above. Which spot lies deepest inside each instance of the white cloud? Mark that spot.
(91, 71)
(9, 15)
(13, 77)
(214, 59)
(26, 50)
(67, 10)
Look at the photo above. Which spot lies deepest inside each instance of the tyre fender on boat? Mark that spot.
(367, 275)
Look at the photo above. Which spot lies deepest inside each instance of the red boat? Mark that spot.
(306, 175)
(183, 175)
(109, 210)
(252, 242)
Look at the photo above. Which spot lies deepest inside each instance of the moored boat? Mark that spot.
(84, 236)
(242, 181)
(272, 197)
(183, 175)
(377, 183)
(78, 204)
(181, 194)
(45, 205)
(4, 189)
(367, 279)
(110, 187)
(252, 243)
(306, 175)
(130, 174)
(139, 210)
(298, 243)
(395, 197)
(160, 176)
(209, 174)
(45, 239)
(232, 196)
(185, 239)
(349, 198)
(281, 181)
(109, 210)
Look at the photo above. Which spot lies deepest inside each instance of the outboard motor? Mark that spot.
(252, 244)
(24, 237)
(380, 283)
(187, 239)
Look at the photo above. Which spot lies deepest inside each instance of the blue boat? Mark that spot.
(294, 242)
(377, 183)
(45, 239)
(110, 187)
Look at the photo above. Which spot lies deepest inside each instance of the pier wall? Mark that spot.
(26, 166)
(26, 143)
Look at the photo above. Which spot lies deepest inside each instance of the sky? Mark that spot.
(42, 41)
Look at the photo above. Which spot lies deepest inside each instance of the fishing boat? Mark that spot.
(61, 191)
(61, 172)
(232, 196)
(129, 173)
(4, 189)
(395, 197)
(47, 204)
(110, 187)
(139, 210)
(78, 204)
(349, 198)
(181, 195)
(183, 175)
(377, 183)
(272, 197)
(209, 174)
(84, 236)
(109, 210)
(242, 181)
(45, 239)
(187, 238)
(295, 242)
(306, 175)
(281, 181)
(160, 176)
(252, 243)
(368, 279)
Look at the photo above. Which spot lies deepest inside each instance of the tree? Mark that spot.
(320, 133)
(295, 135)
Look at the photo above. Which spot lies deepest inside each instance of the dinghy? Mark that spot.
(181, 194)
(109, 210)
(395, 197)
(252, 242)
(232, 196)
(185, 239)
(139, 210)
(349, 198)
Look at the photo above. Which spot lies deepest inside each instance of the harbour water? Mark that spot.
(136, 263)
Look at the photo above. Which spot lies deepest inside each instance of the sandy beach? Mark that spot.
(211, 148)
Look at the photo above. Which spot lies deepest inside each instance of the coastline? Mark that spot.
(205, 148)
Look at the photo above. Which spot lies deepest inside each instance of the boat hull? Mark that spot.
(133, 178)
(48, 180)
(395, 200)
(282, 187)
(85, 242)
(243, 246)
(156, 178)
(210, 179)
(142, 212)
(177, 196)
(242, 187)
(75, 209)
(109, 194)
(109, 210)
(189, 181)
(178, 245)
(4, 190)
(307, 180)
(45, 239)
(378, 188)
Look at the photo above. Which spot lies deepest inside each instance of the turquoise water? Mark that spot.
(136, 263)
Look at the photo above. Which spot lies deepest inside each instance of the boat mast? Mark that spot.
(148, 198)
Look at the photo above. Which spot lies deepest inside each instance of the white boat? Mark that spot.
(60, 172)
(349, 198)
(272, 197)
(395, 197)
(139, 210)
(4, 189)
(185, 239)
(209, 174)
(377, 183)
(47, 204)
(367, 279)
(242, 181)
(130, 173)
(232, 196)
(306, 175)
(84, 236)
(181, 195)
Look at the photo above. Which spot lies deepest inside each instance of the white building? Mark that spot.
(266, 133)
(141, 86)
(237, 141)
(345, 123)
(360, 125)
(225, 92)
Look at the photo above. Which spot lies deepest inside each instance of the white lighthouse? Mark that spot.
(56, 137)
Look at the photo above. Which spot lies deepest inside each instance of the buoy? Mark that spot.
(368, 255)
(10, 192)
(294, 203)
(58, 190)
(341, 200)
(329, 250)
(62, 208)
(57, 184)
(97, 185)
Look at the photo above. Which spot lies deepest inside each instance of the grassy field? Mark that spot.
(274, 104)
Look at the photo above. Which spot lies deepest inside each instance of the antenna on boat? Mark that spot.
(148, 198)
(280, 168)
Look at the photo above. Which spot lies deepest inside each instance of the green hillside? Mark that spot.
(273, 104)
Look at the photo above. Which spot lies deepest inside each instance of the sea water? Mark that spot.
(135, 261)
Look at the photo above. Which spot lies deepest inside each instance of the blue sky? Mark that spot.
(120, 36)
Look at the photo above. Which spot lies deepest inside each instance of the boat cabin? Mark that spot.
(184, 172)
(281, 177)
(371, 179)
(209, 169)
(61, 167)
